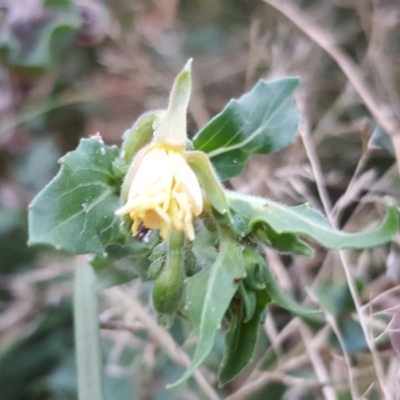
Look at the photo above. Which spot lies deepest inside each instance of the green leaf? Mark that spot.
(381, 139)
(209, 294)
(42, 55)
(54, 37)
(335, 296)
(305, 221)
(283, 242)
(87, 334)
(259, 277)
(249, 301)
(204, 248)
(240, 340)
(75, 211)
(125, 263)
(278, 296)
(260, 122)
(352, 335)
(58, 4)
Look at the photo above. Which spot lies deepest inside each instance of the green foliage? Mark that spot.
(75, 211)
(40, 56)
(224, 273)
(260, 122)
(241, 338)
(87, 335)
(252, 214)
(169, 283)
(206, 302)
(68, 4)
(336, 298)
(124, 263)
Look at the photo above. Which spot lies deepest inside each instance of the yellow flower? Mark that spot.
(161, 189)
(164, 193)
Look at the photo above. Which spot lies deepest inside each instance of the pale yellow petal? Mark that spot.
(164, 192)
(153, 175)
(187, 182)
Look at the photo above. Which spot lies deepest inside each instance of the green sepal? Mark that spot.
(140, 134)
(169, 284)
(202, 167)
(159, 251)
(172, 127)
(155, 268)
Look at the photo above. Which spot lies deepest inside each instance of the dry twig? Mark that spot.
(382, 113)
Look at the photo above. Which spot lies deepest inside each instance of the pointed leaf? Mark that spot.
(87, 333)
(305, 221)
(125, 263)
(42, 54)
(248, 300)
(279, 296)
(284, 242)
(75, 211)
(240, 341)
(209, 294)
(259, 277)
(261, 121)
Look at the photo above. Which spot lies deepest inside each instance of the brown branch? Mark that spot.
(382, 113)
(121, 326)
(163, 339)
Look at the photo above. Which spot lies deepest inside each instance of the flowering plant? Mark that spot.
(158, 206)
(163, 191)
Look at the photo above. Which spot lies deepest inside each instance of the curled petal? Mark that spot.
(162, 192)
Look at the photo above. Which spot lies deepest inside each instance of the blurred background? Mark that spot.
(70, 69)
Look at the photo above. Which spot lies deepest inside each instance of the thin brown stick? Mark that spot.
(245, 391)
(316, 168)
(332, 322)
(382, 113)
(164, 339)
(122, 326)
(317, 363)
